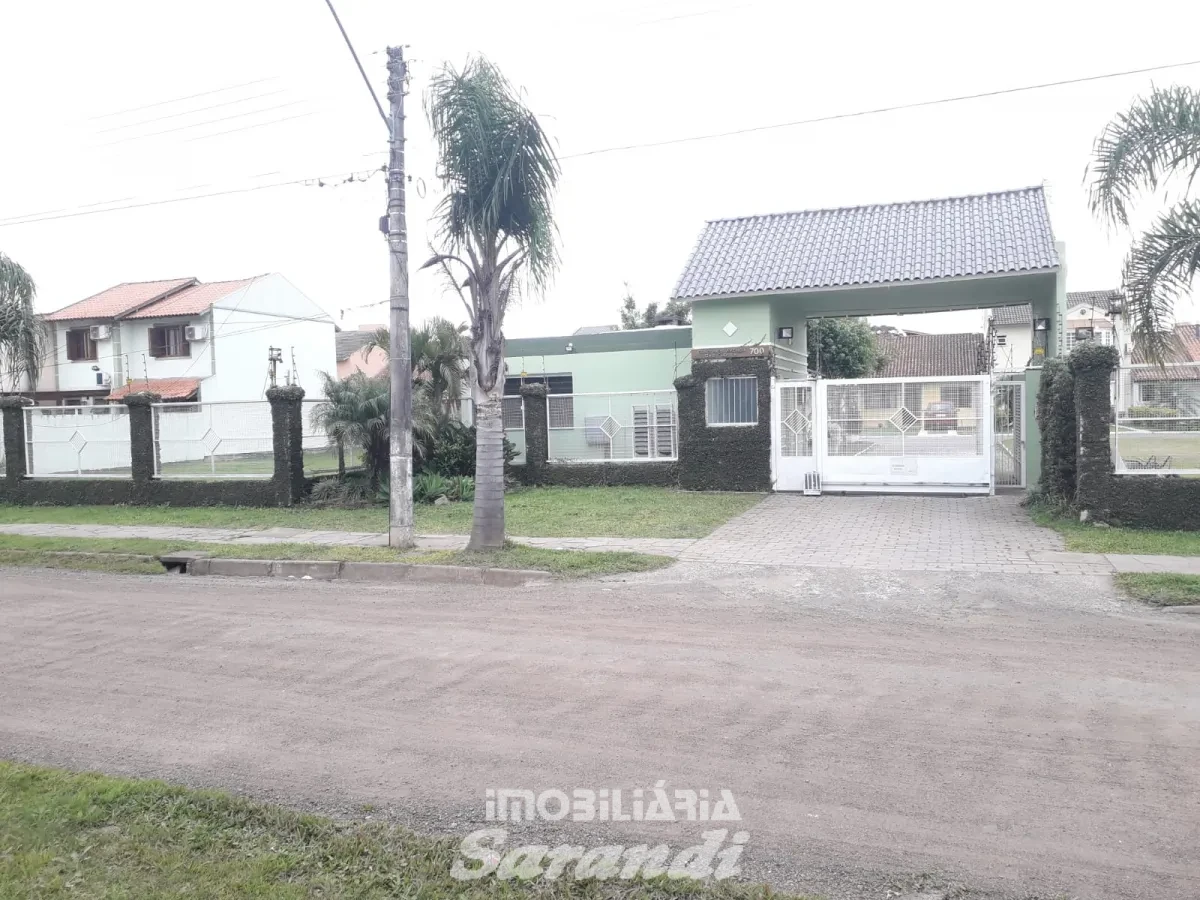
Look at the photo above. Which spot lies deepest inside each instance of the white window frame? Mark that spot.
(708, 401)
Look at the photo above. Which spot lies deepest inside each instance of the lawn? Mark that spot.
(1090, 539)
(47, 552)
(530, 512)
(1182, 447)
(1161, 589)
(74, 835)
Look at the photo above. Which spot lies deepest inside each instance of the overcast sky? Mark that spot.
(93, 116)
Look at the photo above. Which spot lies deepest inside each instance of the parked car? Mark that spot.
(941, 416)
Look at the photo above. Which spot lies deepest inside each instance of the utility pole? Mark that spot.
(400, 513)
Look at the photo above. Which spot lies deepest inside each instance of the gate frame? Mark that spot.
(1009, 379)
(820, 435)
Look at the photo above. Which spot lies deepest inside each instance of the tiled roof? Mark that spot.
(1012, 315)
(1187, 350)
(116, 301)
(985, 234)
(168, 388)
(1101, 299)
(931, 355)
(191, 301)
(347, 343)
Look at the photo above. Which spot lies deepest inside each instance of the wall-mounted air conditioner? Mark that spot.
(103, 379)
(195, 333)
(100, 332)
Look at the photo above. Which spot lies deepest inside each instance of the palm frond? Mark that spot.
(1159, 269)
(23, 336)
(1156, 137)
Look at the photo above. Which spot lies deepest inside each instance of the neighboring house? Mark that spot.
(932, 355)
(1090, 315)
(352, 354)
(1173, 386)
(185, 340)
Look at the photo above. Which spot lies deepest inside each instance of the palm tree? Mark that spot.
(438, 349)
(497, 234)
(355, 412)
(22, 334)
(1156, 138)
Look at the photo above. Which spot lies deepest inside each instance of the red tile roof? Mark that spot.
(116, 301)
(167, 388)
(190, 301)
(1186, 350)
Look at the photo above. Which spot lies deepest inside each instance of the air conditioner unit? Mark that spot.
(195, 333)
(100, 332)
(103, 379)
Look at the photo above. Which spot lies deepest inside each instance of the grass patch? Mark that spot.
(530, 512)
(1085, 538)
(19, 550)
(80, 835)
(1161, 589)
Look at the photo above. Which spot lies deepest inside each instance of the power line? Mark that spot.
(241, 115)
(361, 71)
(871, 112)
(204, 137)
(190, 112)
(232, 87)
(32, 218)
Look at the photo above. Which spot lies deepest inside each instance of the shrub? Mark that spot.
(462, 487)
(1152, 412)
(429, 486)
(1057, 422)
(453, 451)
(348, 492)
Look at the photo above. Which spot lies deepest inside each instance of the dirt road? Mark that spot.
(1022, 735)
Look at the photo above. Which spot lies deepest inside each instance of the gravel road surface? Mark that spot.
(1020, 735)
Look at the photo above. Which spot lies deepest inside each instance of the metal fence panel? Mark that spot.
(513, 416)
(77, 441)
(1156, 427)
(902, 418)
(634, 426)
(213, 440)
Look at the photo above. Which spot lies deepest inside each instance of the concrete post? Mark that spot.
(537, 436)
(15, 464)
(1092, 366)
(287, 427)
(141, 433)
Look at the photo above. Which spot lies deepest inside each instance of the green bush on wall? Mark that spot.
(1057, 424)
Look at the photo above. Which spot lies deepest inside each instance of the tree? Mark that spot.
(22, 334)
(497, 236)
(842, 348)
(632, 317)
(439, 358)
(1156, 138)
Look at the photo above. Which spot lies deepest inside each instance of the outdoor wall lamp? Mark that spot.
(784, 333)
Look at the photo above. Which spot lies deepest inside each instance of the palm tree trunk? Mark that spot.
(487, 526)
(341, 460)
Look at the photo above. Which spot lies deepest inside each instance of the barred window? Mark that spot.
(731, 401)
(514, 415)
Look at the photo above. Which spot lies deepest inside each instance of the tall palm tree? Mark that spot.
(497, 235)
(438, 349)
(22, 334)
(1156, 138)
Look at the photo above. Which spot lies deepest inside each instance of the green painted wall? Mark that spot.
(1033, 437)
(618, 370)
(751, 315)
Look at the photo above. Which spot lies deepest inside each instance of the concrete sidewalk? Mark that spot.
(655, 546)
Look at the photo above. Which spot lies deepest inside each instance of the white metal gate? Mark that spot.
(1008, 432)
(918, 435)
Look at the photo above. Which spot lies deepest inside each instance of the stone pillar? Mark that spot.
(537, 436)
(725, 457)
(142, 449)
(15, 464)
(1092, 366)
(287, 426)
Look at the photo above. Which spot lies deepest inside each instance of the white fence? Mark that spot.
(514, 425)
(634, 426)
(1156, 429)
(77, 441)
(213, 440)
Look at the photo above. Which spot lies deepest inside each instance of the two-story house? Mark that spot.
(185, 340)
(1090, 316)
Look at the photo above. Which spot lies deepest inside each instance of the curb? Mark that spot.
(1187, 610)
(384, 573)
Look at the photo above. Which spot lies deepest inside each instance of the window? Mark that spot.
(513, 413)
(167, 341)
(731, 401)
(80, 346)
(562, 408)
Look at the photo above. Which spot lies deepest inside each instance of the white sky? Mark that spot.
(600, 74)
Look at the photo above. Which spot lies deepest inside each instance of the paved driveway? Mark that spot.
(1032, 736)
(895, 532)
